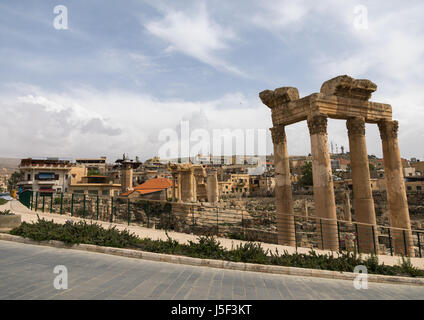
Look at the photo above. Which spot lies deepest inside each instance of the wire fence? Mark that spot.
(236, 223)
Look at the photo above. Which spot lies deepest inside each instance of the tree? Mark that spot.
(306, 179)
(14, 179)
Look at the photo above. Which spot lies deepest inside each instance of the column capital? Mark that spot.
(278, 134)
(317, 124)
(356, 126)
(388, 129)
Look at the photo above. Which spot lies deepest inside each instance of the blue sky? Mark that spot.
(124, 71)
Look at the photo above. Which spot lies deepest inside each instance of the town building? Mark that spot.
(46, 176)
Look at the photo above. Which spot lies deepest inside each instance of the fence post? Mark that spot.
(295, 233)
(61, 203)
(390, 242)
(36, 202)
(217, 221)
(32, 198)
(111, 211)
(51, 203)
(322, 238)
(72, 205)
(404, 243)
(192, 217)
(373, 239)
(338, 235)
(97, 217)
(242, 222)
(83, 211)
(357, 237)
(419, 244)
(44, 203)
(129, 211)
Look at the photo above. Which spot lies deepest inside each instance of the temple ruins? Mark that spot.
(194, 183)
(347, 99)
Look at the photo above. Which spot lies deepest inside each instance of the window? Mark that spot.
(105, 192)
(419, 188)
(409, 188)
(93, 192)
(79, 191)
(29, 177)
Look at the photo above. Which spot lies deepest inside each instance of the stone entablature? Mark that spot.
(287, 108)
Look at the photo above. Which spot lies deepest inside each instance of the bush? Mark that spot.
(207, 247)
(6, 213)
(3, 201)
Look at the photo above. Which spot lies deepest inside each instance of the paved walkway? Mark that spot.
(26, 272)
(155, 234)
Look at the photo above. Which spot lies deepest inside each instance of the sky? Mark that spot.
(122, 74)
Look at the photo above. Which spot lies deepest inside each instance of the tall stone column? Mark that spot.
(363, 202)
(212, 186)
(179, 184)
(174, 178)
(325, 206)
(187, 185)
(395, 187)
(346, 207)
(283, 191)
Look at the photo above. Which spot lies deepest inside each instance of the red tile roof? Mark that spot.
(153, 185)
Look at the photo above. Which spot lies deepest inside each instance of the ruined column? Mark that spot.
(362, 194)
(187, 184)
(283, 192)
(212, 186)
(325, 206)
(174, 174)
(305, 208)
(179, 186)
(346, 206)
(395, 188)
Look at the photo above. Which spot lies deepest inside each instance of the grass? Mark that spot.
(3, 201)
(207, 248)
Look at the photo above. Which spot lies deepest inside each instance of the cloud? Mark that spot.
(195, 34)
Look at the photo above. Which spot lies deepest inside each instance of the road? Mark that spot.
(26, 272)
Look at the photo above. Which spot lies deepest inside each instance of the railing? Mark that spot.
(237, 223)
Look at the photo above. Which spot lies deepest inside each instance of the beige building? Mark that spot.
(237, 185)
(46, 176)
(96, 186)
(97, 165)
(3, 180)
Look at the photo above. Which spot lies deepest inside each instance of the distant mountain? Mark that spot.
(10, 164)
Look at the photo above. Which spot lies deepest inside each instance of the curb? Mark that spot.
(220, 264)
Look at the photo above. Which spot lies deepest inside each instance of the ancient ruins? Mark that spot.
(194, 184)
(340, 98)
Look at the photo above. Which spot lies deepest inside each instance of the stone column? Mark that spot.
(346, 206)
(187, 185)
(173, 186)
(212, 186)
(305, 207)
(362, 193)
(325, 206)
(179, 186)
(283, 191)
(395, 188)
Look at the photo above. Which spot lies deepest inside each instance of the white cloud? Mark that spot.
(195, 34)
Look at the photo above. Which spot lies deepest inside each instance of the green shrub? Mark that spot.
(3, 201)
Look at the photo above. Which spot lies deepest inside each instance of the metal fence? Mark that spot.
(236, 223)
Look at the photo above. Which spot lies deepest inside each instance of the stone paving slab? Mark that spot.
(99, 276)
